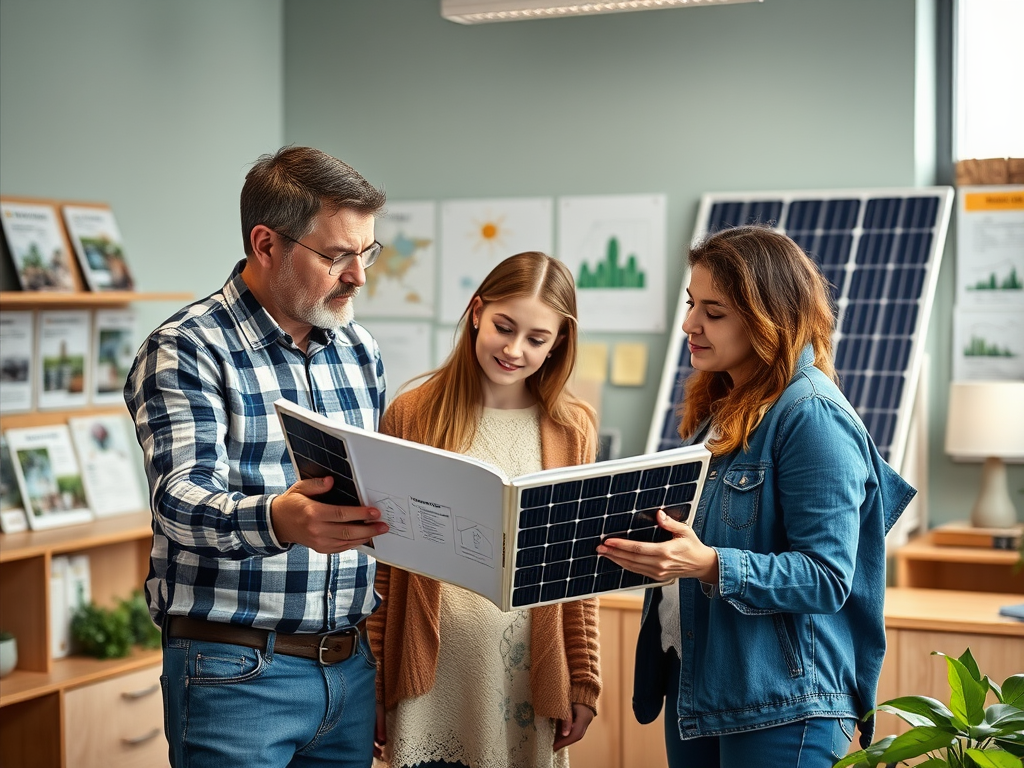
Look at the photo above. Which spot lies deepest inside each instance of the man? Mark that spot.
(252, 577)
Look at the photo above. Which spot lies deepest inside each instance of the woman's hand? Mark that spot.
(571, 732)
(380, 733)
(683, 556)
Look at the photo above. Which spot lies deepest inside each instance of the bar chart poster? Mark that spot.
(615, 248)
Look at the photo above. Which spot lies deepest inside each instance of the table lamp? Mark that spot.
(986, 421)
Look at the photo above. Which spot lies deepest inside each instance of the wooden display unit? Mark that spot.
(43, 700)
(923, 564)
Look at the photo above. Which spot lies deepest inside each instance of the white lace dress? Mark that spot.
(479, 712)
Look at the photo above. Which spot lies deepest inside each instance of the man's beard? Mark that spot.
(316, 312)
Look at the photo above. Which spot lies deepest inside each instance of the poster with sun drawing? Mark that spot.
(477, 234)
(615, 248)
(401, 281)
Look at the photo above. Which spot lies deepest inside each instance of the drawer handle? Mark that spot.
(141, 694)
(141, 739)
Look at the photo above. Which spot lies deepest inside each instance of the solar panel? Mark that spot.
(880, 251)
(522, 542)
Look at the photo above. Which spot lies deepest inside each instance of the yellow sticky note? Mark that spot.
(592, 362)
(629, 364)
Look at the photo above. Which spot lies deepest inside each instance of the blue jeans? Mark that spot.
(227, 705)
(812, 743)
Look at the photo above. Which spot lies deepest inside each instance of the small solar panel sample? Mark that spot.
(561, 524)
(520, 542)
(880, 251)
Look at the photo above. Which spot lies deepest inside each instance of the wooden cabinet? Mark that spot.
(923, 564)
(117, 723)
(920, 621)
(615, 739)
(917, 622)
(50, 715)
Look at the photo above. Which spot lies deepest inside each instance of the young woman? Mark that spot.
(769, 646)
(459, 683)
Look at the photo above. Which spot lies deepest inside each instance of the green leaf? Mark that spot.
(914, 743)
(854, 760)
(967, 659)
(933, 762)
(993, 758)
(1005, 717)
(967, 695)
(1013, 691)
(919, 710)
(1015, 747)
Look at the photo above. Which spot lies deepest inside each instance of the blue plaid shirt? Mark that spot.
(202, 392)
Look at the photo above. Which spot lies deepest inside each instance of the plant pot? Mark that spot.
(8, 655)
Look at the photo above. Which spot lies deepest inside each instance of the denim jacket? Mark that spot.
(794, 628)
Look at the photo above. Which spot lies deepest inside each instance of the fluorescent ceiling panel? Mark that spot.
(484, 11)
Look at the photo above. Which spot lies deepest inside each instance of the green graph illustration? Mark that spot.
(1011, 282)
(609, 273)
(978, 347)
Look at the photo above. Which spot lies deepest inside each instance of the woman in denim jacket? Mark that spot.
(769, 646)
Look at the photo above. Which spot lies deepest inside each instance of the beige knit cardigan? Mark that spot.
(404, 632)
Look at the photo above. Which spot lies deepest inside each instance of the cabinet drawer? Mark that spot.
(117, 723)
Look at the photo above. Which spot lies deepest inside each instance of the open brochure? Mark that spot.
(519, 542)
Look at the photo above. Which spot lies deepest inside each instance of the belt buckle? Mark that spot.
(323, 647)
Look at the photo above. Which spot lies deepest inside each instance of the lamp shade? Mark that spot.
(986, 418)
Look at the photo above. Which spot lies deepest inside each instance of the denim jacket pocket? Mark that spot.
(742, 495)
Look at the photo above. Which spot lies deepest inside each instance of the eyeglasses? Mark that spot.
(367, 257)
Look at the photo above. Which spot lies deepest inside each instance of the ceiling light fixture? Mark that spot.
(483, 11)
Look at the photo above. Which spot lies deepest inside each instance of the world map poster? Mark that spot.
(615, 248)
(401, 281)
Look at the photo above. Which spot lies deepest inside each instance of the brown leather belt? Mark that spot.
(328, 648)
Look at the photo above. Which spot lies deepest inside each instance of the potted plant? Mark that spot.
(8, 653)
(966, 734)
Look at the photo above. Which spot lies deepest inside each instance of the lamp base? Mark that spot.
(993, 507)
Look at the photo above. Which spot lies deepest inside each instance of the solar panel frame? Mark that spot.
(840, 238)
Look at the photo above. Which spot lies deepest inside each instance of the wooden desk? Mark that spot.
(921, 563)
(917, 621)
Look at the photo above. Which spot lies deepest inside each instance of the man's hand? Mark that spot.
(327, 528)
(569, 732)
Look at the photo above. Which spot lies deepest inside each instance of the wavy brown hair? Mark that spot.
(785, 304)
(454, 392)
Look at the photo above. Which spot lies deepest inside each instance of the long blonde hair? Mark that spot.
(454, 395)
(784, 303)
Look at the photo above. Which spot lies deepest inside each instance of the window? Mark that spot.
(989, 83)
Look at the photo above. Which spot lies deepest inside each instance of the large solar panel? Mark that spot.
(880, 251)
(521, 542)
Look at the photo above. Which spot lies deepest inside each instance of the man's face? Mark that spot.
(306, 291)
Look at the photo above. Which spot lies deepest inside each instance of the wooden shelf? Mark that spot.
(20, 685)
(34, 727)
(53, 299)
(74, 538)
(923, 564)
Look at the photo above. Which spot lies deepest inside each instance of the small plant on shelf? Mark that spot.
(966, 734)
(111, 633)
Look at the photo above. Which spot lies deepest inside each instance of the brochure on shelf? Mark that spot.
(63, 341)
(17, 345)
(519, 542)
(95, 236)
(107, 464)
(49, 478)
(60, 627)
(35, 240)
(12, 511)
(114, 345)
